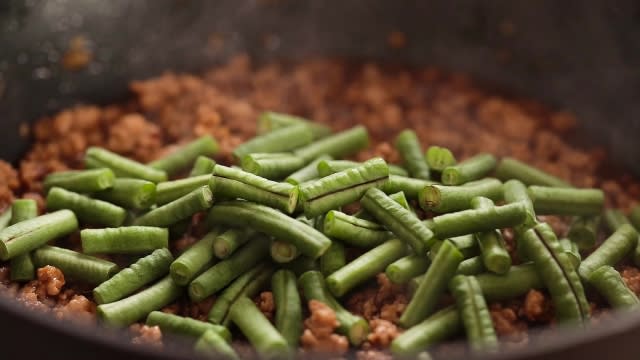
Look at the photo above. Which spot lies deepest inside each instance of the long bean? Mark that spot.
(406, 226)
(302, 264)
(269, 121)
(74, 265)
(133, 194)
(514, 192)
(443, 199)
(354, 231)
(198, 200)
(288, 306)
(227, 242)
(210, 343)
(471, 169)
(609, 284)
(408, 146)
(185, 155)
(22, 268)
(337, 145)
(342, 188)
(510, 168)
(478, 220)
(330, 166)
(264, 337)
(135, 307)
(30, 234)
(233, 183)
(170, 323)
(573, 252)
(87, 210)
(516, 282)
(439, 158)
(471, 266)
(584, 231)
(432, 285)
(308, 172)
(611, 251)
(283, 252)
(314, 288)
(194, 260)
(614, 218)
(224, 272)
(365, 266)
(493, 250)
(335, 258)
(439, 326)
(467, 244)
(279, 140)
(566, 201)
(409, 186)
(474, 312)
(138, 274)
(309, 241)
(96, 158)
(202, 166)
(82, 181)
(5, 218)
(124, 240)
(271, 165)
(169, 191)
(406, 268)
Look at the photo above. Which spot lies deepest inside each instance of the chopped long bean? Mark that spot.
(202, 166)
(354, 231)
(22, 268)
(409, 186)
(571, 249)
(335, 258)
(96, 158)
(185, 155)
(611, 251)
(271, 165)
(133, 194)
(467, 244)
(443, 199)
(198, 200)
(406, 268)
(227, 242)
(474, 312)
(87, 210)
(307, 173)
(270, 121)
(170, 323)
(439, 158)
(288, 306)
(471, 266)
(478, 220)
(74, 265)
(614, 218)
(493, 249)
(408, 146)
(471, 169)
(5, 218)
(279, 140)
(514, 192)
(210, 343)
(264, 337)
(566, 201)
(124, 240)
(510, 168)
(283, 252)
(329, 166)
(609, 284)
(584, 231)
(82, 181)
(337, 145)
(439, 326)
(516, 282)
(169, 191)
(194, 260)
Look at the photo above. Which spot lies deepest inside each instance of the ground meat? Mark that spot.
(9, 182)
(52, 279)
(5, 275)
(382, 333)
(537, 307)
(78, 308)
(507, 324)
(143, 334)
(373, 355)
(265, 304)
(386, 301)
(318, 335)
(631, 276)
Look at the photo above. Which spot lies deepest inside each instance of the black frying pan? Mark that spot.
(583, 56)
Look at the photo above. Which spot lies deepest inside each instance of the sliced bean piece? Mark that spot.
(96, 158)
(87, 210)
(471, 169)
(354, 231)
(212, 344)
(478, 220)
(614, 218)
(330, 166)
(180, 325)
(307, 173)
(169, 191)
(474, 313)
(124, 240)
(194, 260)
(279, 140)
(203, 166)
(510, 168)
(269, 121)
(283, 252)
(439, 158)
(611, 251)
(609, 284)
(516, 282)
(337, 145)
(288, 306)
(271, 165)
(406, 268)
(410, 151)
(229, 241)
(584, 231)
(566, 201)
(335, 258)
(444, 199)
(571, 249)
(185, 155)
(471, 266)
(22, 268)
(493, 249)
(5, 218)
(82, 181)
(133, 194)
(198, 200)
(440, 326)
(74, 265)
(409, 186)
(256, 327)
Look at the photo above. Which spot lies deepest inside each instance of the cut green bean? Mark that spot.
(440, 326)
(133, 194)
(471, 169)
(203, 166)
(474, 313)
(96, 158)
(397, 197)
(307, 173)
(198, 200)
(270, 121)
(409, 186)
(467, 244)
(124, 240)
(611, 251)
(233, 183)
(515, 191)
(185, 155)
(471, 266)
(584, 231)
(342, 188)
(334, 259)
(88, 210)
(82, 181)
(354, 231)
(329, 166)
(516, 282)
(573, 252)
(283, 252)
(439, 158)
(212, 344)
(566, 201)
(510, 168)
(169, 191)
(229, 241)
(22, 268)
(338, 145)
(138, 274)
(74, 265)
(314, 287)
(406, 226)
(194, 260)
(126, 311)
(224, 272)
(277, 141)
(309, 241)
(556, 272)
(444, 199)
(493, 249)
(478, 220)
(170, 323)
(5, 218)
(609, 284)
(365, 266)
(634, 217)
(264, 337)
(288, 306)
(31, 234)
(272, 166)
(406, 268)
(410, 151)
(614, 218)
(433, 285)
(302, 264)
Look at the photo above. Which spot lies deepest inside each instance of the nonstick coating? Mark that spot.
(582, 56)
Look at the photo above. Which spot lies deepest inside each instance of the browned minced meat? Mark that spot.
(386, 301)
(265, 304)
(382, 332)
(52, 279)
(143, 334)
(9, 183)
(318, 335)
(631, 276)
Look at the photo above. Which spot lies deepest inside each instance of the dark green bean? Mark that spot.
(510, 168)
(471, 169)
(443, 199)
(405, 225)
(288, 306)
(169, 191)
(584, 231)
(433, 285)
(198, 200)
(406, 268)
(516, 282)
(474, 312)
(302, 264)
(335, 258)
(272, 166)
(493, 249)
(270, 121)
(330, 166)
(611, 251)
(471, 266)
(354, 231)
(76, 266)
(556, 272)
(609, 284)
(478, 220)
(170, 323)
(397, 197)
(438, 327)
(31, 234)
(309, 241)
(22, 268)
(614, 218)
(87, 210)
(279, 140)
(467, 244)
(224, 272)
(5, 218)
(126, 311)
(185, 155)
(212, 344)
(515, 191)
(203, 166)
(230, 240)
(233, 183)
(307, 173)
(194, 260)
(408, 146)
(355, 328)
(409, 186)
(365, 266)
(566, 201)
(439, 158)
(267, 341)
(133, 194)
(571, 249)
(337, 145)
(283, 252)
(82, 181)
(124, 240)
(96, 158)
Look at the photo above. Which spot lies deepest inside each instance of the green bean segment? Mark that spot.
(573, 252)
(74, 265)
(283, 252)
(516, 282)
(337, 145)
(194, 260)
(614, 218)
(471, 266)
(87, 210)
(566, 201)
(438, 327)
(409, 186)
(270, 121)
(510, 168)
(124, 240)
(288, 306)
(406, 268)
(444, 199)
(493, 250)
(121, 166)
(584, 231)
(610, 284)
(203, 166)
(271, 165)
(439, 158)
(133, 194)
(198, 200)
(408, 146)
(256, 327)
(471, 169)
(611, 251)
(474, 312)
(227, 242)
(169, 191)
(308, 172)
(82, 181)
(334, 259)
(478, 220)
(354, 231)
(212, 344)
(279, 140)
(180, 325)
(185, 155)
(22, 268)
(330, 166)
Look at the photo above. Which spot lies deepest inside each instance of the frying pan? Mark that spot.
(581, 56)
